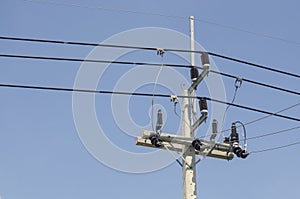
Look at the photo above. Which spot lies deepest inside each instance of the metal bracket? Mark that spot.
(160, 51)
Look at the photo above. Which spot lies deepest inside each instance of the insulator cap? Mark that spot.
(197, 144)
(244, 154)
(194, 73)
(215, 126)
(214, 129)
(155, 140)
(237, 151)
(159, 122)
(234, 136)
(241, 153)
(204, 58)
(203, 105)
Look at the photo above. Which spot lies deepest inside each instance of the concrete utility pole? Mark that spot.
(187, 144)
(188, 110)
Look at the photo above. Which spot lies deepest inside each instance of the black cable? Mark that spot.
(144, 64)
(257, 83)
(75, 43)
(82, 90)
(254, 65)
(245, 134)
(152, 48)
(259, 119)
(252, 109)
(144, 94)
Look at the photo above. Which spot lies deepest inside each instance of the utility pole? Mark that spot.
(188, 109)
(186, 144)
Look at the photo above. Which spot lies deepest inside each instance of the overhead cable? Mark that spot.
(276, 148)
(118, 10)
(154, 49)
(273, 133)
(266, 116)
(145, 95)
(143, 64)
(252, 109)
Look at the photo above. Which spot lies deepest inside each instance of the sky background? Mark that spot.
(41, 155)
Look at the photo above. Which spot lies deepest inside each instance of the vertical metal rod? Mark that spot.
(192, 44)
(192, 61)
(189, 173)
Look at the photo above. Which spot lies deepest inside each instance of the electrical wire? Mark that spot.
(142, 64)
(254, 65)
(145, 95)
(175, 112)
(152, 48)
(275, 148)
(251, 109)
(267, 116)
(234, 96)
(257, 83)
(107, 9)
(161, 53)
(273, 133)
(167, 16)
(259, 119)
(245, 134)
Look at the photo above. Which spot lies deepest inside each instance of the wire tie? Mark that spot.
(160, 51)
(238, 82)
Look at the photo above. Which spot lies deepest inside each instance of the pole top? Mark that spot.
(191, 17)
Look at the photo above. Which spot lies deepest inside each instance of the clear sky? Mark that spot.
(41, 153)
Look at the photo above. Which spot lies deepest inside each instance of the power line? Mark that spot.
(264, 117)
(145, 64)
(81, 90)
(259, 119)
(251, 109)
(282, 110)
(145, 95)
(74, 43)
(254, 65)
(108, 9)
(167, 16)
(155, 49)
(276, 148)
(257, 83)
(273, 133)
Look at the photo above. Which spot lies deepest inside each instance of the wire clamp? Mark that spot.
(174, 99)
(160, 51)
(238, 82)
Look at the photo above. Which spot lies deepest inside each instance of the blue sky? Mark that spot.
(41, 154)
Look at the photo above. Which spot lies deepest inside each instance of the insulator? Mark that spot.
(237, 151)
(214, 129)
(194, 73)
(203, 105)
(204, 58)
(215, 126)
(234, 136)
(244, 154)
(159, 122)
(197, 144)
(155, 141)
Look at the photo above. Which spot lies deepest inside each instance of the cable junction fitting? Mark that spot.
(238, 82)
(160, 51)
(174, 99)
